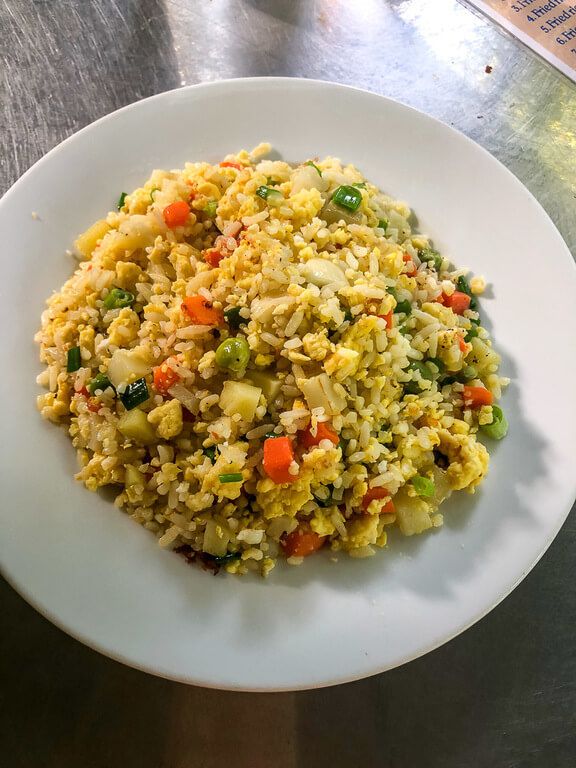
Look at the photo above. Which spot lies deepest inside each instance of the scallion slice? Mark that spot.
(314, 166)
(234, 318)
(100, 381)
(383, 224)
(232, 477)
(211, 208)
(118, 298)
(347, 197)
(423, 486)
(74, 361)
(134, 394)
(431, 256)
(121, 200)
(498, 428)
(403, 306)
(269, 194)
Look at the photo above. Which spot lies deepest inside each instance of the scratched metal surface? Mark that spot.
(503, 694)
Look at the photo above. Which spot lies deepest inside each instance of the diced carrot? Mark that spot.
(213, 256)
(175, 214)
(458, 302)
(461, 343)
(91, 402)
(278, 457)
(388, 318)
(410, 266)
(164, 378)
(324, 431)
(476, 397)
(379, 493)
(201, 311)
(302, 543)
(230, 164)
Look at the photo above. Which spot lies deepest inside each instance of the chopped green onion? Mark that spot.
(383, 224)
(475, 320)
(469, 373)
(423, 486)
(121, 200)
(234, 318)
(314, 166)
(413, 387)
(464, 286)
(210, 452)
(100, 381)
(348, 316)
(270, 434)
(347, 197)
(359, 184)
(498, 427)
(269, 194)
(327, 502)
(448, 380)
(210, 208)
(437, 363)
(118, 298)
(229, 557)
(471, 334)
(232, 477)
(74, 361)
(134, 394)
(430, 255)
(403, 306)
(404, 330)
(154, 189)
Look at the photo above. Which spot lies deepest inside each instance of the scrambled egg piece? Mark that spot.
(167, 418)
(278, 500)
(129, 321)
(318, 467)
(362, 531)
(127, 274)
(343, 363)
(468, 459)
(322, 524)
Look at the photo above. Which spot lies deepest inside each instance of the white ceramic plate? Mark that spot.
(103, 579)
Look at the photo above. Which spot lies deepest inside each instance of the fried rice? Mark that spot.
(266, 360)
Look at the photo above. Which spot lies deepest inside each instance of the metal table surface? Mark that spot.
(501, 695)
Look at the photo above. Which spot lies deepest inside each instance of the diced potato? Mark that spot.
(87, 241)
(320, 393)
(133, 476)
(139, 231)
(240, 397)
(267, 382)
(134, 425)
(216, 539)
(411, 513)
(333, 213)
(127, 365)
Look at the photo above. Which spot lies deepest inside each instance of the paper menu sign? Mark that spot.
(546, 26)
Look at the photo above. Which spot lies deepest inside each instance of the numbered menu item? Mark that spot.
(546, 26)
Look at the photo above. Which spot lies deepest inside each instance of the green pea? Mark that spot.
(234, 354)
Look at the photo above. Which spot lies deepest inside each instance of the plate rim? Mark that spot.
(376, 668)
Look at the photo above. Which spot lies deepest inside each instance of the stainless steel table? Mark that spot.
(502, 695)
